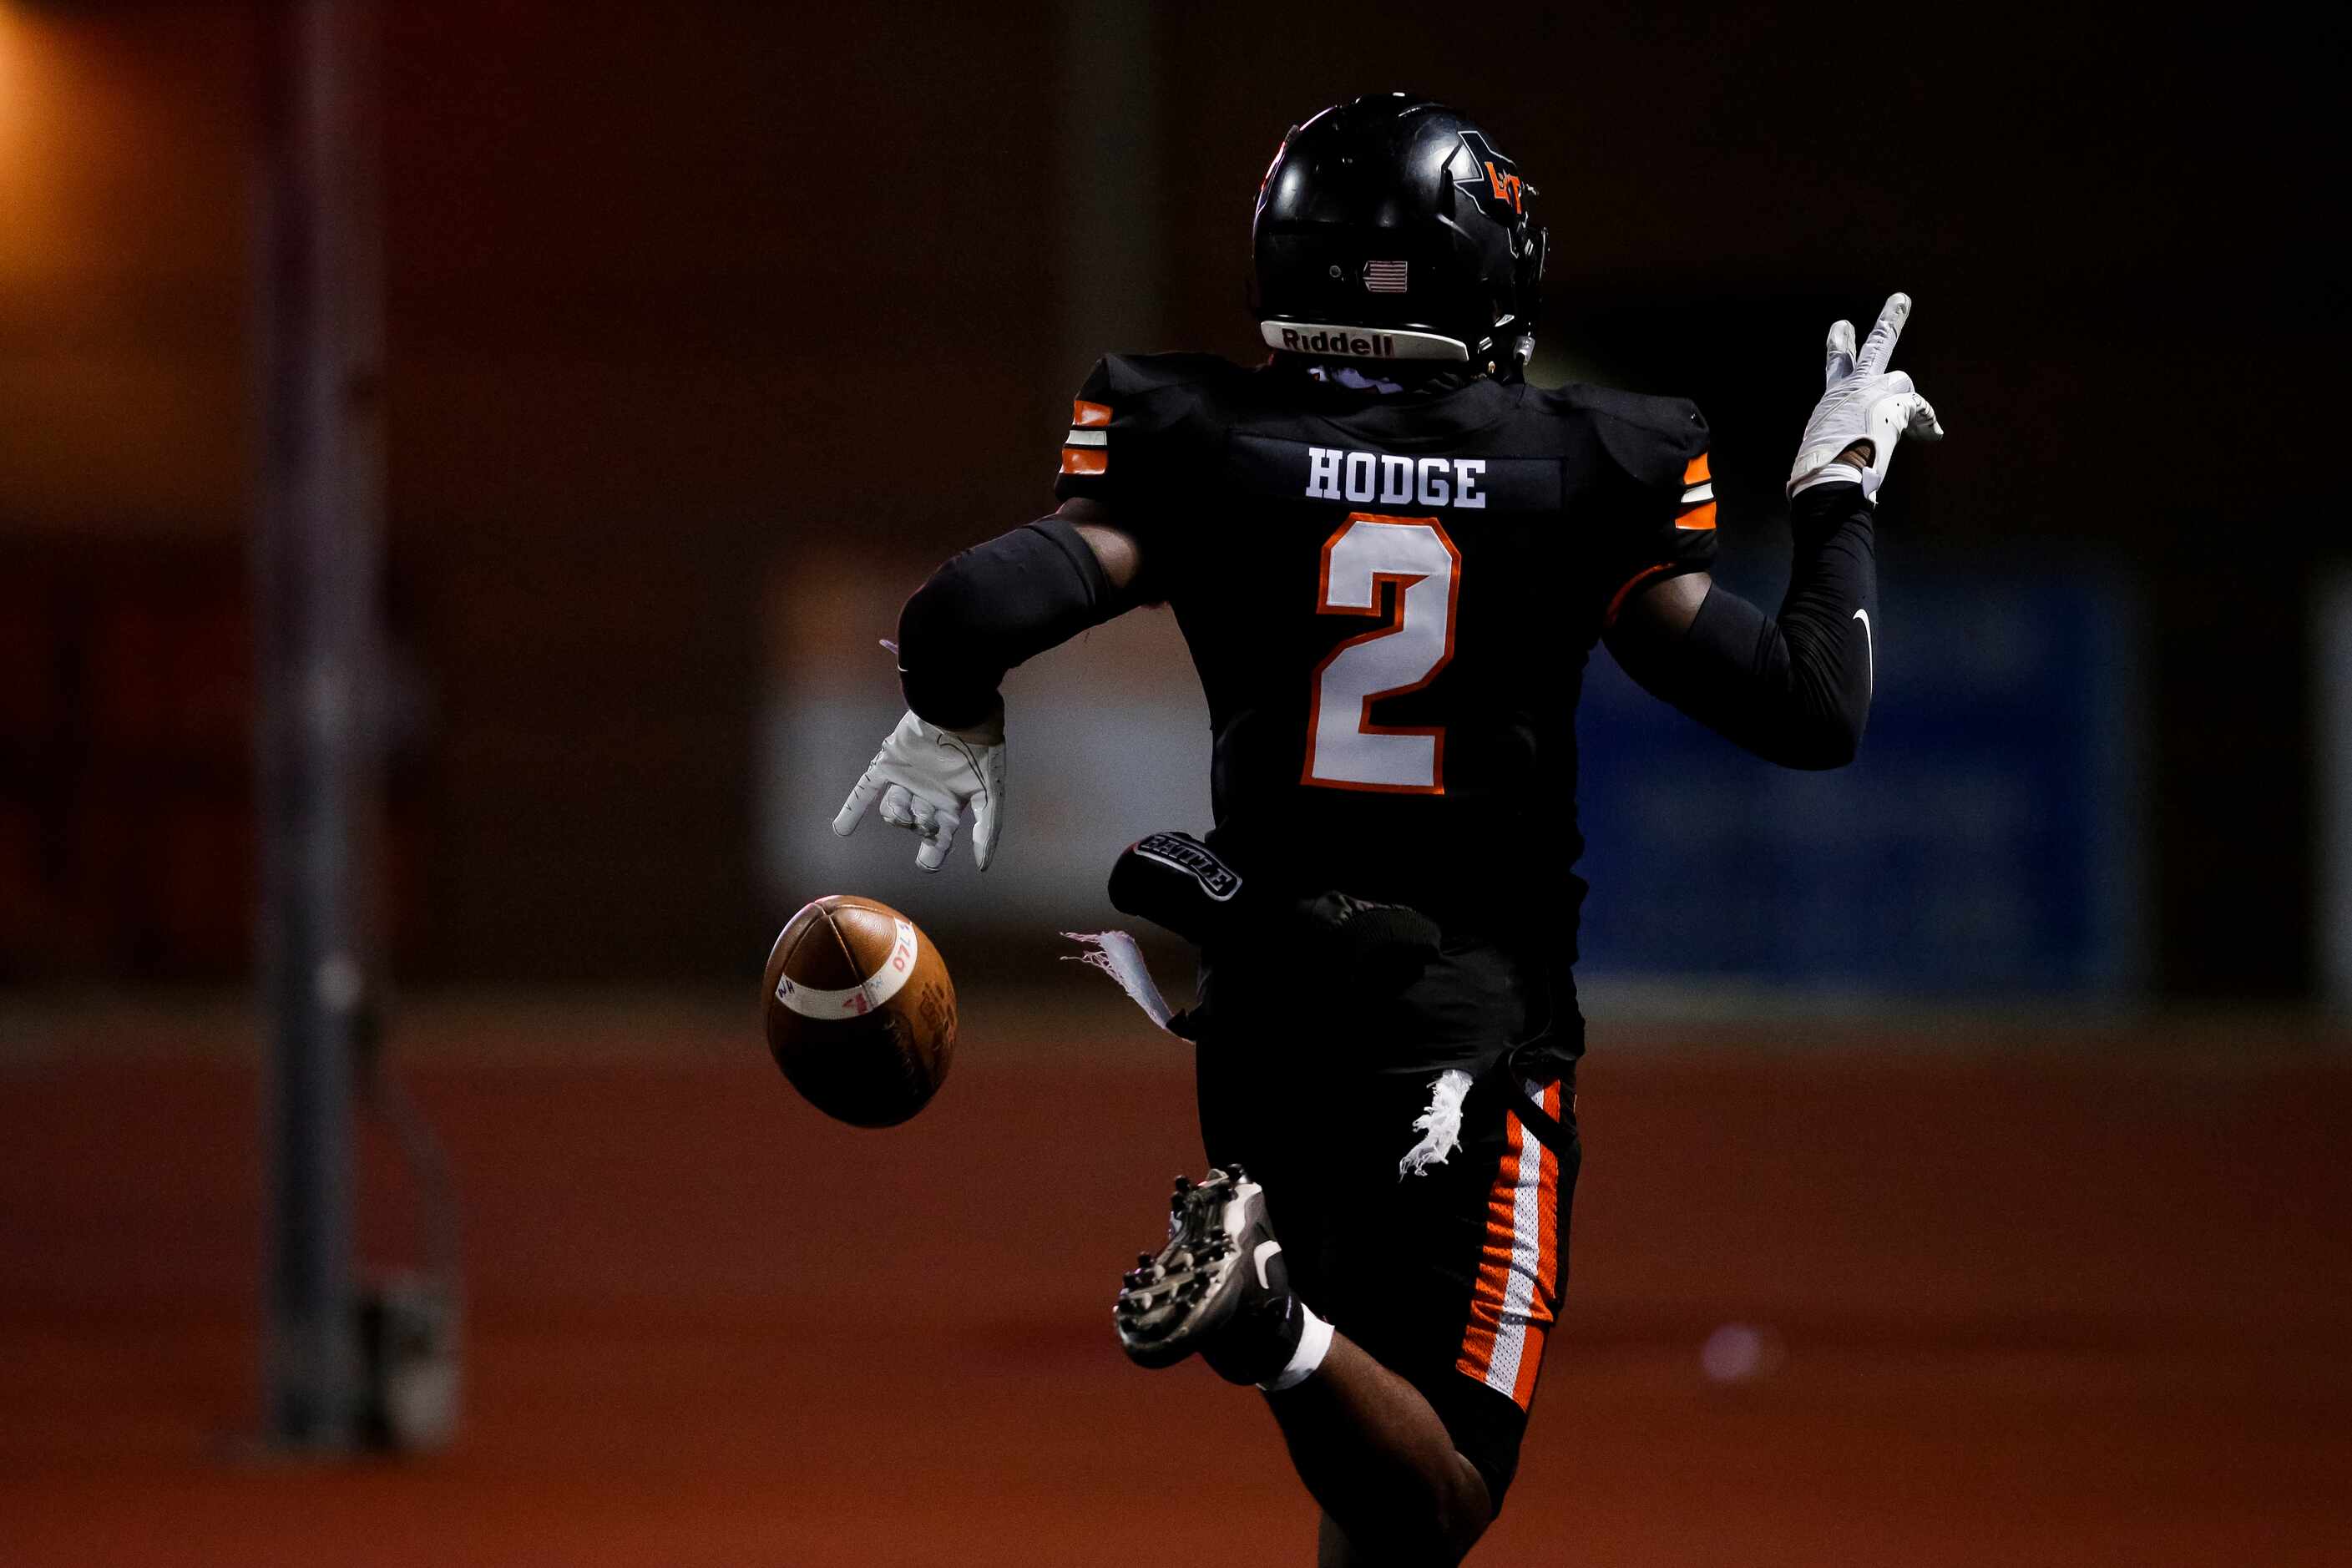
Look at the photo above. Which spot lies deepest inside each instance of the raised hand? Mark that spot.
(1864, 409)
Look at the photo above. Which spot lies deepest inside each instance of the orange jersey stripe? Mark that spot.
(1084, 460)
(1085, 415)
(1694, 471)
(1701, 516)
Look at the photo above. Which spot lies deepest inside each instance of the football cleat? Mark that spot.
(1219, 1286)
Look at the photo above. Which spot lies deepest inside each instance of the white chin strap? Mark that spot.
(1328, 340)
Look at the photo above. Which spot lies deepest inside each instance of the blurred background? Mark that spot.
(1973, 1192)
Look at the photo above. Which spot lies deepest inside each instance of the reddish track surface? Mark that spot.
(2072, 1303)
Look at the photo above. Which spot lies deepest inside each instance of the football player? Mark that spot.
(1390, 557)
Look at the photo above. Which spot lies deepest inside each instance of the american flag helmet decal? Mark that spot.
(1384, 277)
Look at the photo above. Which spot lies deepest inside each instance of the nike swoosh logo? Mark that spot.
(1265, 1249)
(1869, 648)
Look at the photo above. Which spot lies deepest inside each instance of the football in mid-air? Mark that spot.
(859, 1010)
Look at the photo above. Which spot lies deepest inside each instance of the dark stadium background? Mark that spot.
(708, 329)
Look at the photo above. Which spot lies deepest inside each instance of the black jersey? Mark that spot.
(1390, 600)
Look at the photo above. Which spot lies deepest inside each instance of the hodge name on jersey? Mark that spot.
(1389, 599)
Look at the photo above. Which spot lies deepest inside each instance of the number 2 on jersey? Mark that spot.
(1344, 749)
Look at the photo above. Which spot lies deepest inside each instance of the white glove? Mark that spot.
(1865, 402)
(926, 776)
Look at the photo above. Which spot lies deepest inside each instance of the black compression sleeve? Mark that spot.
(991, 608)
(1795, 691)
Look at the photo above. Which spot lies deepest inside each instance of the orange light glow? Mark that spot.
(27, 126)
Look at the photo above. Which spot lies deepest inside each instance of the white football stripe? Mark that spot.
(859, 1000)
(1697, 493)
(1078, 437)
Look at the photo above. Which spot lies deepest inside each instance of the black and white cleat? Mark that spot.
(1220, 1279)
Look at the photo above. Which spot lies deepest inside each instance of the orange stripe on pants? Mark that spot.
(1538, 1328)
(1495, 1257)
(1519, 1269)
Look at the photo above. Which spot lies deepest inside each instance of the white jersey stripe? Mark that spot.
(1078, 437)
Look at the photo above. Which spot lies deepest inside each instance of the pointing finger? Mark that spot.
(1879, 347)
(1841, 354)
(853, 810)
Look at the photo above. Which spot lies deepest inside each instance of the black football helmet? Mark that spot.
(1391, 228)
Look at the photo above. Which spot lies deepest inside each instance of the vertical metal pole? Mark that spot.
(317, 541)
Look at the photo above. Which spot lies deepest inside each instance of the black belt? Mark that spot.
(1507, 1076)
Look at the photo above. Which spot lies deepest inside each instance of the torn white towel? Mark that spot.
(1440, 1126)
(1115, 953)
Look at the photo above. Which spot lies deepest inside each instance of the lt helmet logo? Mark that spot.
(1494, 184)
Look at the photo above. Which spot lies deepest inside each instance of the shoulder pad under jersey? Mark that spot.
(1653, 439)
(1128, 424)
(1151, 380)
